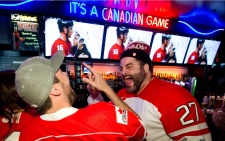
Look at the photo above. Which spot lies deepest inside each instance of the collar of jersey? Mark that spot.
(60, 114)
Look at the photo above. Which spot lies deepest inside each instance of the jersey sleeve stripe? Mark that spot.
(190, 128)
(203, 135)
(79, 135)
(138, 129)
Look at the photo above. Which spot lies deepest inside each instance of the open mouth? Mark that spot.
(128, 81)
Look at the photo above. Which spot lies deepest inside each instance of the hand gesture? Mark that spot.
(95, 79)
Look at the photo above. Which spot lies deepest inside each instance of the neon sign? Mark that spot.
(118, 16)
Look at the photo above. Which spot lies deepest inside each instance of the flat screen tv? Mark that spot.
(123, 36)
(25, 32)
(76, 39)
(167, 48)
(201, 51)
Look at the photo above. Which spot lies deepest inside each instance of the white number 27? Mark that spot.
(187, 111)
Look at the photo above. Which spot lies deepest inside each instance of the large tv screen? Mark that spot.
(201, 51)
(76, 39)
(167, 48)
(118, 38)
(25, 32)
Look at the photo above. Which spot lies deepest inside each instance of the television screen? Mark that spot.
(201, 51)
(76, 39)
(118, 38)
(25, 32)
(168, 48)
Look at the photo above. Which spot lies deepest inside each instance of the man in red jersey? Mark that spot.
(117, 49)
(168, 110)
(41, 83)
(193, 58)
(63, 43)
(160, 54)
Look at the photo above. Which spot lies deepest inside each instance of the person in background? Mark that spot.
(76, 39)
(168, 110)
(171, 55)
(193, 58)
(95, 95)
(130, 40)
(218, 119)
(202, 60)
(221, 79)
(63, 43)
(41, 83)
(117, 49)
(160, 54)
(82, 50)
(15, 114)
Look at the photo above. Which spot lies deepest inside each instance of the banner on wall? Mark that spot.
(106, 14)
(25, 32)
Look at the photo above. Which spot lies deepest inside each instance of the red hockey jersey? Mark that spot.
(159, 55)
(88, 124)
(13, 133)
(193, 58)
(169, 112)
(60, 44)
(115, 52)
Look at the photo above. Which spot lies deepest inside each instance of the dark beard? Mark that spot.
(138, 78)
(72, 96)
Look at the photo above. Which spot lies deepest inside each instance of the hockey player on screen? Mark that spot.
(160, 54)
(117, 49)
(82, 50)
(63, 43)
(76, 39)
(202, 60)
(171, 54)
(193, 58)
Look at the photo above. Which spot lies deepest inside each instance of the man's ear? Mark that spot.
(55, 91)
(121, 36)
(64, 30)
(146, 68)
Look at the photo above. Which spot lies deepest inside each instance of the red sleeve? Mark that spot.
(21, 121)
(60, 45)
(54, 48)
(157, 57)
(115, 52)
(193, 58)
(185, 119)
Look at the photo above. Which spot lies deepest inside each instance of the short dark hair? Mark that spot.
(81, 40)
(62, 24)
(165, 36)
(122, 30)
(200, 41)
